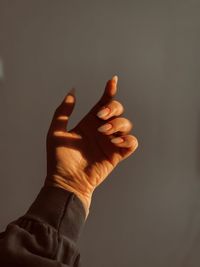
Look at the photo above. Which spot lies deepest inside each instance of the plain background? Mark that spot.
(147, 212)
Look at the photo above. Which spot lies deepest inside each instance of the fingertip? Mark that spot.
(115, 78)
(109, 91)
(113, 86)
(133, 143)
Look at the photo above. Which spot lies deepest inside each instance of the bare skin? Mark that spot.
(78, 160)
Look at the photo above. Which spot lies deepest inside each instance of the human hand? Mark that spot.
(80, 159)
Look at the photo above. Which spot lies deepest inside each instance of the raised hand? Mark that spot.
(81, 158)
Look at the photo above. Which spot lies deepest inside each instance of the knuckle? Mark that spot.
(127, 122)
(118, 105)
(115, 102)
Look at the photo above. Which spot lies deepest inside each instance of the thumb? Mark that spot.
(63, 112)
(110, 90)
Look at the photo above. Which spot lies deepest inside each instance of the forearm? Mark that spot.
(47, 234)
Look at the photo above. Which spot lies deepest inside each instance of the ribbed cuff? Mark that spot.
(59, 208)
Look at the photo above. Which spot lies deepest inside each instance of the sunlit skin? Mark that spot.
(78, 160)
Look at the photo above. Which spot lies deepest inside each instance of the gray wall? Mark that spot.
(147, 212)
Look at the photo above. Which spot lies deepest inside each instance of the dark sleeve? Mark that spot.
(47, 235)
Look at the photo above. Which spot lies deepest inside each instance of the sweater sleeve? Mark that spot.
(47, 235)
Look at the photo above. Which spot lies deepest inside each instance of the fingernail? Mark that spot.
(72, 91)
(103, 112)
(70, 97)
(117, 140)
(105, 127)
(115, 78)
